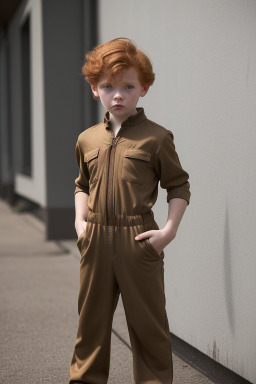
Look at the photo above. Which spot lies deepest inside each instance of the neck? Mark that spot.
(117, 122)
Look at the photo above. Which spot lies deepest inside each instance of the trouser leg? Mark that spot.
(98, 297)
(140, 275)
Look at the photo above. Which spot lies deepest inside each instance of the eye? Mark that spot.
(129, 87)
(106, 86)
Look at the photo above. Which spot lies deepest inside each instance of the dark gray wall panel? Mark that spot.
(63, 57)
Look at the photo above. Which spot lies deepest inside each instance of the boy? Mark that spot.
(121, 161)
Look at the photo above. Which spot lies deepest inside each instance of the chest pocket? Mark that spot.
(92, 158)
(135, 165)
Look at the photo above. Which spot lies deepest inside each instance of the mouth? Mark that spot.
(118, 106)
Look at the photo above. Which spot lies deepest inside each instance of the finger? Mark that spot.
(142, 236)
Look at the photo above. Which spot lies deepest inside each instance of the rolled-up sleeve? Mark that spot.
(82, 181)
(172, 176)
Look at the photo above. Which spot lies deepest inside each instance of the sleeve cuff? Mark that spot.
(182, 193)
(79, 189)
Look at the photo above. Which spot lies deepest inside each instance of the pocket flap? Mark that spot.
(137, 154)
(91, 154)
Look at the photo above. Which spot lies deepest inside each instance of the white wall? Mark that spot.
(204, 56)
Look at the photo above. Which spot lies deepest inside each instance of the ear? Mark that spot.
(144, 90)
(94, 90)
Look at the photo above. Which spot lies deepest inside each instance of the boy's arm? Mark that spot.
(162, 237)
(81, 192)
(176, 211)
(172, 176)
(82, 181)
(81, 210)
(174, 179)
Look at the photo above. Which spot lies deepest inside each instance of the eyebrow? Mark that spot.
(106, 82)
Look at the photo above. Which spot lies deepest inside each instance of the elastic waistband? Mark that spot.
(121, 220)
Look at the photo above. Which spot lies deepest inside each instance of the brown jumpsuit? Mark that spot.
(121, 174)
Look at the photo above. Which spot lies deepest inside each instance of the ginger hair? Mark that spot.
(115, 56)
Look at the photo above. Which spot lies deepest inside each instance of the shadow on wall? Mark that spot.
(227, 267)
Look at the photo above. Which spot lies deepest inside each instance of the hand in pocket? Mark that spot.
(80, 228)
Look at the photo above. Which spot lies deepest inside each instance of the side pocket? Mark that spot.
(148, 227)
(150, 246)
(84, 241)
(80, 239)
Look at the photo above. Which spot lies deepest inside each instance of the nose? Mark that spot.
(118, 95)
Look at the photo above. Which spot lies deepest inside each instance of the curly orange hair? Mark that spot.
(115, 56)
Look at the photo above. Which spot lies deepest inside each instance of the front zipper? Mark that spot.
(110, 210)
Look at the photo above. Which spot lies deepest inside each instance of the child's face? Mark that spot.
(120, 95)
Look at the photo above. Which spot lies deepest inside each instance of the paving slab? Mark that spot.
(39, 284)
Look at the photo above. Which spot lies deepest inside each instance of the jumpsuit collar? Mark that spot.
(131, 120)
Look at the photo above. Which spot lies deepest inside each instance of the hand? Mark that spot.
(80, 227)
(159, 238)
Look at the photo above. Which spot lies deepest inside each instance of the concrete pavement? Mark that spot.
(39, 283)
